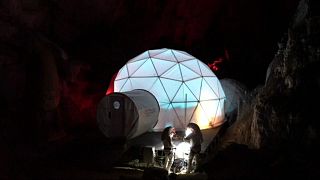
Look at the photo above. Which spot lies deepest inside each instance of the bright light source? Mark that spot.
(181, 83)
(183, 150)
(188, 132)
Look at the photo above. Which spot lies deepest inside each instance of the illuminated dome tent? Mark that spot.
(185, 88)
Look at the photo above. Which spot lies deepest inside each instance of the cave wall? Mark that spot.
(57, 57)
(282, 114)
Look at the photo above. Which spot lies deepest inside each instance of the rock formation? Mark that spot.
(279, 123)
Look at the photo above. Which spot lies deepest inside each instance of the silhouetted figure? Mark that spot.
(166, 138)
(194, 135)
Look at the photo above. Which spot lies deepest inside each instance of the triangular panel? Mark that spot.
(156, 51)
(133, 66)
(164, 117)
(205, 70)
(167, 55)
(146, 70)
(123, 73)
(159, 92)
(184, 94)
(193, 65)
(162, 66)
(206, 92)
(118, 84)
(212, 82)
(143, 83)
(126, 87)
(171, 87)
(194, 86)
(187, 73)
(191, 107)
(219, 115)
(173, 73)
(210, 108)
(182, 56)
(177, 121)
(193, 118)
(179, 108)
(199, 117)
(185, 111)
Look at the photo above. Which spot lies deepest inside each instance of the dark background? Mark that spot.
(106, 34)
(89, 41)
(109, 33)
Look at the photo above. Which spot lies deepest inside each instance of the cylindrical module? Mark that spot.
(127, 114)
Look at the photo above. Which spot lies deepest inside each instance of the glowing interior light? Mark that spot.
(202, 120)
(181, 83)
(188, 132)
(183, 150)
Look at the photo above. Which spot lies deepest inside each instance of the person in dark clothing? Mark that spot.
(166, 138)
(194, 135)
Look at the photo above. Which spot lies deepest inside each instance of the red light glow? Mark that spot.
(111, 84)
(215, 66)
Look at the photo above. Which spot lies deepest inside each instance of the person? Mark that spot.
(166, 138)
(194, 135)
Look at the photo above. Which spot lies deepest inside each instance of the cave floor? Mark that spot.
(86, 156)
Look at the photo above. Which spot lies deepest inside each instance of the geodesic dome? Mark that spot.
(185, 88)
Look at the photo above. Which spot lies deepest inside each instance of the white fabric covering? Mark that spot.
(185, 88)
(127, 114)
